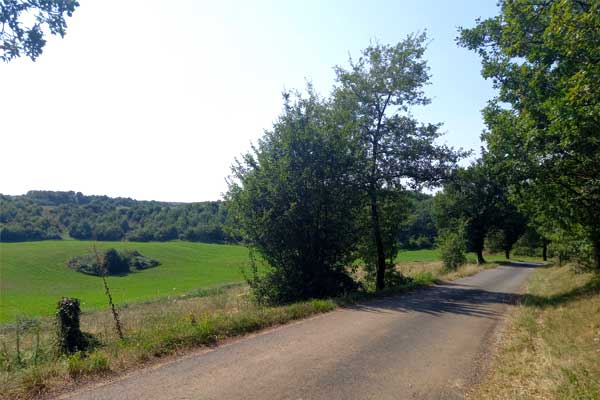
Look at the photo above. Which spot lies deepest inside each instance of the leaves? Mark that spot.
(25, 23)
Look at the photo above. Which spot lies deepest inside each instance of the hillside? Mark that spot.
(52, 215)
(49, 215)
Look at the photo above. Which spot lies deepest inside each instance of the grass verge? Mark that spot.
(161, 328)
(551, 346)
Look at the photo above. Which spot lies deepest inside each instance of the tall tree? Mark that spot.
(396, 151)
(544, 57)
(26, 22)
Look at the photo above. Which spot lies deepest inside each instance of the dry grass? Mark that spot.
(152, 331)
(551, 346)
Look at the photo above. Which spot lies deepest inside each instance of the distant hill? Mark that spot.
(46, 215)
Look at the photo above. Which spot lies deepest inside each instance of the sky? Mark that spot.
(153, 100)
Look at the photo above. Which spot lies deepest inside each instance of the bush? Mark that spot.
(291, 200)
(275, 288)
(112, 263)
(134, 259)
(453, 246)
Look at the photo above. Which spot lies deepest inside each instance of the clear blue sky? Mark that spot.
(154, 99)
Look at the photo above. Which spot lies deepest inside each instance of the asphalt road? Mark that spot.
(427, 344)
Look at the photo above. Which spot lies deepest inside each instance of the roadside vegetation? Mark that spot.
(551, 346)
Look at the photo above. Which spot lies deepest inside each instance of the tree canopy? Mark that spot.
(25, 24)
(292, 199)
(544, 57)
(397, 152)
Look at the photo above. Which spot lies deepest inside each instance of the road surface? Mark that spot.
(427, 344)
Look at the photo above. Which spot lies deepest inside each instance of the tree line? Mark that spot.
(542, 137)
(44, 215)
(52, 215)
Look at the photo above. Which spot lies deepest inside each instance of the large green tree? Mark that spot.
(25, 23)
(292, 199)
(544, 57)
(376, 94)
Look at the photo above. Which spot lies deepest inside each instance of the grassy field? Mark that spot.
(431, 255)
(551, 347)
(34, 275)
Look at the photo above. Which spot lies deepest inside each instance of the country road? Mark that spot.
(429, 344)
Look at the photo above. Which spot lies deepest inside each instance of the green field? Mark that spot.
(34, 275)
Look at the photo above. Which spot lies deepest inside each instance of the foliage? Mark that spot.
(70, 339)
(291, 198)
(113, 262)
(530, 243)
(418, 230)
(393, 209)
(543, 125)
(26, 22)
(395, 151)
(453, 245)
(44, 215)
(471, 197)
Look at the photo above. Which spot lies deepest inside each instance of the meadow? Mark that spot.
(34, 275)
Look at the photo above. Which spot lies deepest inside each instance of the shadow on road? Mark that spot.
(454, 298)
(444, 299)
(458, 298)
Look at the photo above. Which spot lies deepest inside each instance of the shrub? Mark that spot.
(112, 263)
(70, 339)
(134, 259)
(453, 246)
(292, 201)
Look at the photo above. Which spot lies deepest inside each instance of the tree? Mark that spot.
(471, 197)
(543, 125)
(393, 209)
(396, 151)
(292, 200)
(418, 231)
(26, 22)
(113, 263)
(511, 225)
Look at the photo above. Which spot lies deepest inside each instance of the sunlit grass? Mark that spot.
(551, 348)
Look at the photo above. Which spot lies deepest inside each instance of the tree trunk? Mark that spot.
(480, 259)
(380, 281)
(507, 254)
(544, 249)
